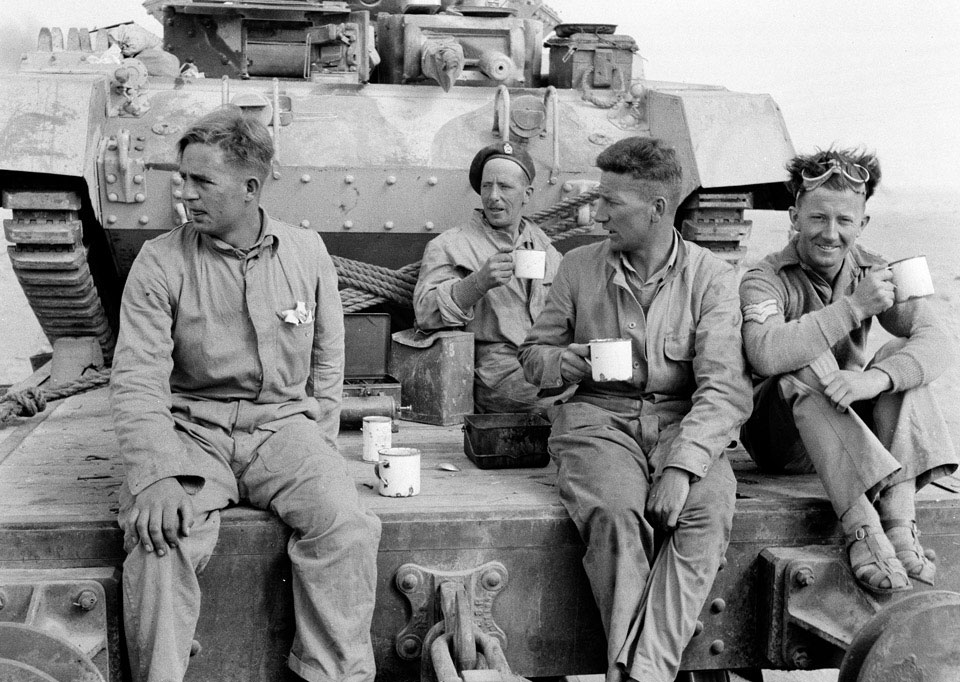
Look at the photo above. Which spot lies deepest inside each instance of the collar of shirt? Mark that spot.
(524, 236)
(269, 236)
(660, 274)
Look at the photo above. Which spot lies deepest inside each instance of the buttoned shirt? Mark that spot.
(792, 315)
(500, 320)
(688, 364)
(202, 338)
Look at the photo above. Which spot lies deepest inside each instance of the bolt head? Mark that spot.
(176, 179)
(800, 658)
(177, 193)
(567, 187)
(409, 582)
(492, 580)
(804, 577)
(717, 646)
(305, 178)
(718, 605)
(111, 219)
(87, 600)
(723, 563)
(304, 223)
(389, 225)
(432, 180)
(138, 179)
(698, 628)
(348, 224)
(410, 646)
(139, 198)
(113, 196)
(428, 226)
(391, 179)
(276, 175)
(111, 178)
(349, 179)
(144, 219)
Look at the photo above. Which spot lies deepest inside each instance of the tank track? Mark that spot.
(50, 261)
(715, 221)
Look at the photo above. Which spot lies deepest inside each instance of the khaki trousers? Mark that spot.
(893, 438)
(282, 466)
(649, 600)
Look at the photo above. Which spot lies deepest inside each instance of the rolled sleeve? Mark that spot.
(433, 302)
(327, 358)
(552, 332)
(723, 398)
(140, 380)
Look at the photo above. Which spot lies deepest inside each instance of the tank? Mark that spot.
(376, 108)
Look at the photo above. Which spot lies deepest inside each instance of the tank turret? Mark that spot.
(376, 108)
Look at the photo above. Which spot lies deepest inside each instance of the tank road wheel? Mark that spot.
(914, 638)
(14, 671)
(31, 655)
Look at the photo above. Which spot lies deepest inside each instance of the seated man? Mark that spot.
(870, 428)
(466, 279)
(229, 325)
(646, 453)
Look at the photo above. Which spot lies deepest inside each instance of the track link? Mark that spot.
(50, 261)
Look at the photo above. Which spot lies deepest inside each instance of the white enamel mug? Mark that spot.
(611, 359)
(529, 263)
(377, 434)
(399, 472)
(911, 277)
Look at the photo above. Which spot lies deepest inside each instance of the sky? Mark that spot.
(881, 74)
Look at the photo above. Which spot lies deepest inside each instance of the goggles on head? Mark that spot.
(855, 174)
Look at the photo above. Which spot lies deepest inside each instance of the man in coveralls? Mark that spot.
(648, 453)
(466, 279)
(230, 325)
(869, 427)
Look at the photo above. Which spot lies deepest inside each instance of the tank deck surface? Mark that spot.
(59, 478)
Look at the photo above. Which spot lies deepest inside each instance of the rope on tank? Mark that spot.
(366, 285)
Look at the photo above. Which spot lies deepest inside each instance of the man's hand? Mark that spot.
(843, 386)
(497, 271)
(574, 364)
(874, 293)
(667, 497)
(161, 514)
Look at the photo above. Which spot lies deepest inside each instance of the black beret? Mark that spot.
(500, 150)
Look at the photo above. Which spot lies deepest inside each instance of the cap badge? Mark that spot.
(507, 148)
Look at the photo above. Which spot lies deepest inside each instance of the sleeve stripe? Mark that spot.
(759, 312)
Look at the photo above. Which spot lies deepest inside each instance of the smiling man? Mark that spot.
(467, 279)
(226, 386)
(645, 455)
(869, 427)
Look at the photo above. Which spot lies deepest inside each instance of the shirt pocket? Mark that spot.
(679, 351)
(294, 350)
(680, 347)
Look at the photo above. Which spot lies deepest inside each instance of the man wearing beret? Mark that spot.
(467, 279)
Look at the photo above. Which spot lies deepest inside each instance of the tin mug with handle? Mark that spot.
(611, 359)
(911, 278)
(398, 472)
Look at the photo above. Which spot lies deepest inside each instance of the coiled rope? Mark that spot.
(369, 285)
(31, 401)
(366, 285)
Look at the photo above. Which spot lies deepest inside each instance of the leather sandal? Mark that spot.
(882, 573)
(918, 562)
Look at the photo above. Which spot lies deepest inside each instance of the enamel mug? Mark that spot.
(399, 472)
(611, 359)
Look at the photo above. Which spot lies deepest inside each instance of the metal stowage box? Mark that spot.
(367, 388)
(436, 373)
(604, 61)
